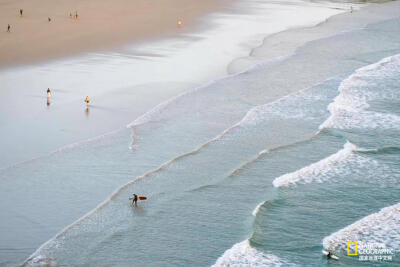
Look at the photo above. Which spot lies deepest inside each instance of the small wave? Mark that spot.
(381, 227)
(349, 108)
(255, 211)
(41, 261)
(65, 148)
(243, 254)
(382, 150)
(152, 114)
(265, 152)
(102, 205)
(308, 173)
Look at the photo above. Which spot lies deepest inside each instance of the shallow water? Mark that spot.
(277, 135)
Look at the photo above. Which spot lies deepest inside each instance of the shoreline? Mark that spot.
(100, 26)
(66, 111)
(150, 62)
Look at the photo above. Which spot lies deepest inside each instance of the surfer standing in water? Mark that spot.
(134, 199)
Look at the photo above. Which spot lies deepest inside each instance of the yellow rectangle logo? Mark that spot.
(355, 248)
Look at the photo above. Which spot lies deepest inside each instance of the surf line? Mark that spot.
(116, 192)
(267, 151)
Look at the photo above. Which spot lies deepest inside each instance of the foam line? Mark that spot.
(380, 227)
(347, 108)
(243, 254)
(319, 167)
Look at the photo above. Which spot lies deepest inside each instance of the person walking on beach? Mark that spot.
(76, 14)
(21, 11)
(87, 100)
(49, 19)
(8, 28)
(48, 97)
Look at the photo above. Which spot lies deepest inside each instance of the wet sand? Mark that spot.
(100, 25)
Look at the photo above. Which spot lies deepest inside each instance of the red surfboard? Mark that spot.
(139, 198)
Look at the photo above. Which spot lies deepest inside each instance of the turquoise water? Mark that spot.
(311, 140)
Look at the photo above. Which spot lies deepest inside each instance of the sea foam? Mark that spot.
(381, 227)
(351, 108)
(243, 254)
(315, 170)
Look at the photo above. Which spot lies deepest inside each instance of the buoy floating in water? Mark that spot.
(179, 23)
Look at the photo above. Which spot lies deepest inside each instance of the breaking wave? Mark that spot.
(381, 227)
(351, 108)
(314, 171)
(243, 254)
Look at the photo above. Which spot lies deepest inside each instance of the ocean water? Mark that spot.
(265, 167)
(269, 182)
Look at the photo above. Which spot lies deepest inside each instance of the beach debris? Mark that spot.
(179, 23)
(8, 28)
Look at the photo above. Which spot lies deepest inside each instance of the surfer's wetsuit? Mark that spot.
(134, 200)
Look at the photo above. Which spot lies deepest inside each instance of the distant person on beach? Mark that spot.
(351, 9)
(8, 28)
(70, 15)
(48, 96)
(21, 11)
(49, 19)
(76, 14)
(134, 199)
(87, 100)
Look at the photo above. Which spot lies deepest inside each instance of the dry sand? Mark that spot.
(101, 24)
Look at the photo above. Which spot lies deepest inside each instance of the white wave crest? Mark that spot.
(349, 108)
(255, 211)
(242, 254)
(310, 172)
(382, 227)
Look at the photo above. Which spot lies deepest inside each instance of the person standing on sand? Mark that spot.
(49, 19)
(8, 28)
(21, 11)
(48, 97)
(76, 14)
(87, 100)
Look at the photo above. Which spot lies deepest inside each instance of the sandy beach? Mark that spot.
(100, 25)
